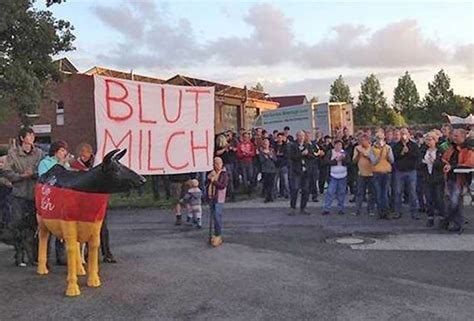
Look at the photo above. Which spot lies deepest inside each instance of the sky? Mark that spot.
(291, 47)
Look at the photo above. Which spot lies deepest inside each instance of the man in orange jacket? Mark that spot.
(457, 156)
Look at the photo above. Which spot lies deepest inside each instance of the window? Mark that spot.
(230, 117)
(251, 115)
(60, 113)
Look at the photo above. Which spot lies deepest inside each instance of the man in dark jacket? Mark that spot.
(281, 181)
(300, 158)
(406, 155)
(21, 169)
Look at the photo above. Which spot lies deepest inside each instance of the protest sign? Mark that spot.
(167, 129)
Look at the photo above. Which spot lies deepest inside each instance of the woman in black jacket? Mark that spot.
(267, 158)
(433, 178)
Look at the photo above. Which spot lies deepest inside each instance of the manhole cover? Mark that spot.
(349, 240)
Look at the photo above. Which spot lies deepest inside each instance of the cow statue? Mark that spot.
(72, 205)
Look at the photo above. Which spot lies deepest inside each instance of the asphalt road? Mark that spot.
(270, 267)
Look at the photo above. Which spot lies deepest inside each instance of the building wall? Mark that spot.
(76, 92)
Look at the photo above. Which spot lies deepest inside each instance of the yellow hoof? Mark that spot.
(81, 271)
(42, 270)
(93, 282)
(73, 290)
(216, 241)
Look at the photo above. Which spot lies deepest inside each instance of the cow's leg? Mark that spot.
(93, 258)
(80, 267)
(71, 250)
(69, 230)
(43, 236)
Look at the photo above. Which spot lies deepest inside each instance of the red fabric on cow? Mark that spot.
(70, 205)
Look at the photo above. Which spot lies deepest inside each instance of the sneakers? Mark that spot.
(355, 213)
(197, 223)
(216, 241)
(304, 212)
(189, 220)
(430, 222)
(179, 220)
(341, 212)
(325, 212)
(397, 216)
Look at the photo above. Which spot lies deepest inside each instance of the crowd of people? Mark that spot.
(23, 165)
(384, 168)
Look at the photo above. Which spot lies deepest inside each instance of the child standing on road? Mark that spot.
(192, 199)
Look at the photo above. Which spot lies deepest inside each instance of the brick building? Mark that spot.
(68, 112)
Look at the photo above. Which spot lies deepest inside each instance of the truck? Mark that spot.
(327, 118)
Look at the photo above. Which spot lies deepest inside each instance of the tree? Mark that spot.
(406, 99)
(340, 91)
(258, 87)
(441, 99)
(372, 106)
(28, 40)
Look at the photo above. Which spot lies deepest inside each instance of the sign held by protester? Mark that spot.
(166, 129)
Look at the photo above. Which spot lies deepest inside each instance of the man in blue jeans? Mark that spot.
(338, 160)
(406, 155)
(381, 157)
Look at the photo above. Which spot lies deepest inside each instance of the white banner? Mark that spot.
(166, 129)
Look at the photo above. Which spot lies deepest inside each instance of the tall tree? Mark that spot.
(441, 99)
(258, 87)
(372, 106)
(340, 91)
(28, 40)
(406, 99)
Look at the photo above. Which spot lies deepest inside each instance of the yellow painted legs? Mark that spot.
(93, 261)
(71, 232)
(43, 235)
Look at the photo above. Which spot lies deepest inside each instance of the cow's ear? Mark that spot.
(120, 155)
(108, 157)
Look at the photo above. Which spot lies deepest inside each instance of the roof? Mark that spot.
(66, 66)
(221, 89)
(286, 101)
(121, 74)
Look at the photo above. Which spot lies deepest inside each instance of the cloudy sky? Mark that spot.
(291, 47)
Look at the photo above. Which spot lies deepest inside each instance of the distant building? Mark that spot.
(68, 112)
(286, 101)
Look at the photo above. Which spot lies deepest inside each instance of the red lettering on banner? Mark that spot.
(119, 99)
(196, 100)
(197, 147)
(117, 145)
(163, 105)
(140, 148)
(168, 143)
(140, 108)
(150, 168)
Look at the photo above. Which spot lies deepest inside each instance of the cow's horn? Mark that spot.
(108, 157)
(120, 155)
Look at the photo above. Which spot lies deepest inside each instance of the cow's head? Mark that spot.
(119, 178)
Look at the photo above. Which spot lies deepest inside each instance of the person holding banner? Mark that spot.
(217, 187)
